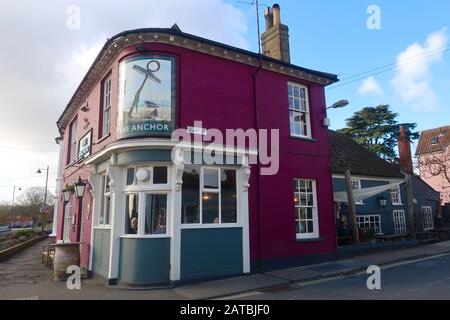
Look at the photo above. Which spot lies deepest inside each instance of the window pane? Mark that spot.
(131, 214)
(295, 122)
(107, 210)
(210, 208)
(228, 196)
(106, 180)
(190, 195)
(155, 214)
(160, 175)
(210, 179)
(290, 92)
(130, 176)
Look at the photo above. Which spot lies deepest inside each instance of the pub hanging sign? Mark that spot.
(146, 105)
(85, 145)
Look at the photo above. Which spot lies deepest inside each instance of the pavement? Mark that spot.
(23, 277)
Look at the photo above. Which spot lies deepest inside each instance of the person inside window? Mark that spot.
(160, 225)
(133, 226)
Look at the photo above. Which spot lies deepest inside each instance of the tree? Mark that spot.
(377, 129)
(32, 199)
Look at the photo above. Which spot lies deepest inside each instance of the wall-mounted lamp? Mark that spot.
(67, 194)
(80, 187)
(382, 201)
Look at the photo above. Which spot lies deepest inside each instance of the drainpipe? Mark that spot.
(60, 142)
(258, 173)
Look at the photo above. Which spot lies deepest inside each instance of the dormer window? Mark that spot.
(435, 140)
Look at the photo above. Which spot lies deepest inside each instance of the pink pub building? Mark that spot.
(150, 214)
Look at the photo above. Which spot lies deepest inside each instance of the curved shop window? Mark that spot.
(146, 201)
(147, 96)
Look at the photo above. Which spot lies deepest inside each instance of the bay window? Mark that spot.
(306, 217)
(299, 114)
(209, 196)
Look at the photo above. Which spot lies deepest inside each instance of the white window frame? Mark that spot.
(141, 214)
(315, 215)
(396, 196)
(202, 190)
(138, 186)
(399, 222)
(357, 183)
(102, 211)
(67, 221)
(366, 219)
(73, 141)
(106, 107)
(427, 218)
(299, 111)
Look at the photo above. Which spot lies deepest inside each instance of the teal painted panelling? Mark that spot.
(207, 253)
(100, 256)
(155, 155)
(144, 261)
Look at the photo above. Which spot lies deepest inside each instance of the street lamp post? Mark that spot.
(12, 208)
(44, 206)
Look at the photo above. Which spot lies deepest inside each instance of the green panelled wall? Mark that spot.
(144, 261)
(208, 253)
(100, 256)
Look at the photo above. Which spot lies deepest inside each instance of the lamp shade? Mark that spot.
(383, 201)
(67, 195)
(80, 187)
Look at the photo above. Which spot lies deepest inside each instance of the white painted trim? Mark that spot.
(167, 144)
(211, 226)
(175, 230)
(383, 179)
(154, 236)
(243, 213)
(116, 218)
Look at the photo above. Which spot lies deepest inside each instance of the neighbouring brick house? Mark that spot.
(434, 147)
(151, 217)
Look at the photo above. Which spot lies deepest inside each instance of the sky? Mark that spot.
(401, 58)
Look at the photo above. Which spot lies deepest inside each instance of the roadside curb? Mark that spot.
(324, 277)
(4, 254)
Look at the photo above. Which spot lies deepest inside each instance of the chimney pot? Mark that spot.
(275, 40)
(269, 17)
(276, 14)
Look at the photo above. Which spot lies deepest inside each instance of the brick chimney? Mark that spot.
(404, 151)
(275, 40)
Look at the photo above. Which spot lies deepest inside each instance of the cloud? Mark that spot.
(370, 86)
(413, 80)
(43, 61)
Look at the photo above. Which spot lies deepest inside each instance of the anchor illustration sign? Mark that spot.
(146, 105)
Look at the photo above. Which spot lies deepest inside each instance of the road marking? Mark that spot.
(241, 295)
(434, 283)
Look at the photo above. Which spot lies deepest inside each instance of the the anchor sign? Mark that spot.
(148, 72)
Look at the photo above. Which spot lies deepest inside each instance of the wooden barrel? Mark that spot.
(66, 255)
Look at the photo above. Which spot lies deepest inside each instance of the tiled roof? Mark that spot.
(346, 153)
(442, 140)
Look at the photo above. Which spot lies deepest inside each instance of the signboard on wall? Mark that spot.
(85, 145)
(146, 105)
